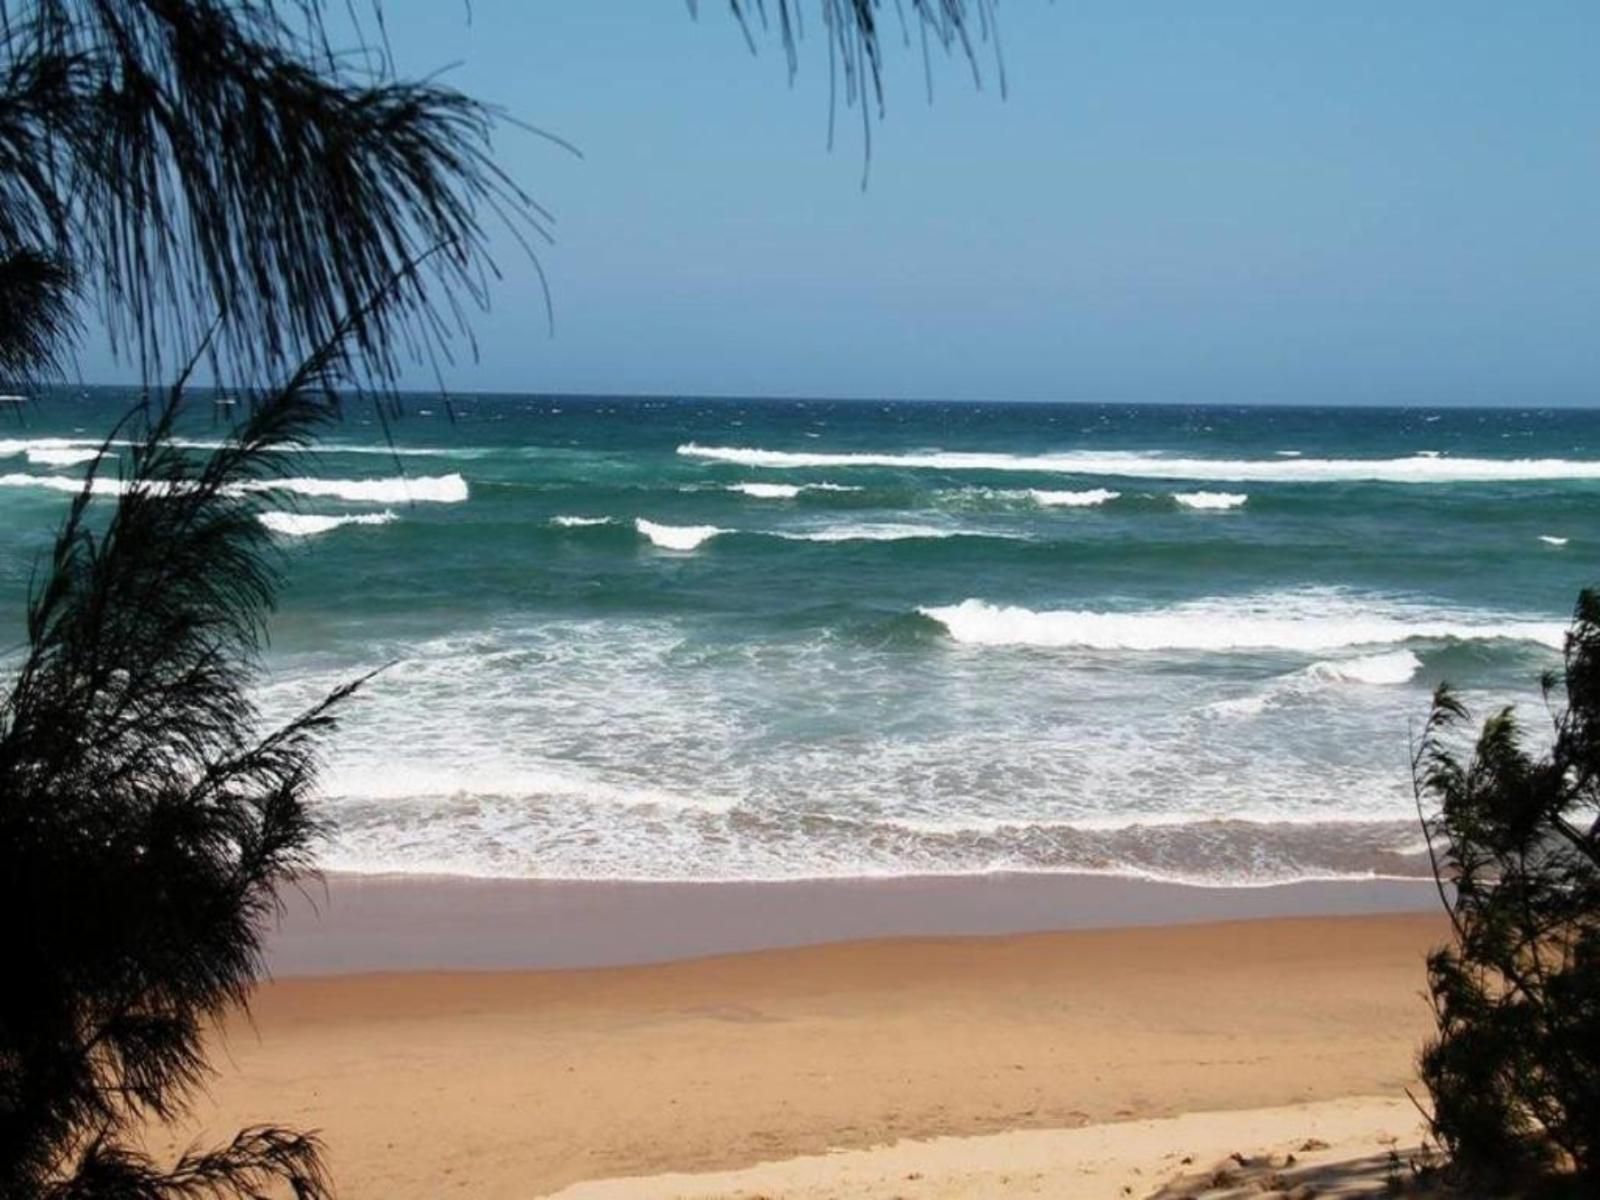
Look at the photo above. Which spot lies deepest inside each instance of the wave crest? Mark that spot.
(1210, 501)
(676, 537)
(1416, 468)
(289, 524)
(1292, 622)
(1085, 499)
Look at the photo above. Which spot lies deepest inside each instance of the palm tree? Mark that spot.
(225, 186)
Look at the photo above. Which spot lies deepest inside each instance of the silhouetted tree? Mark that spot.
(1514, 1068)
(223, 183)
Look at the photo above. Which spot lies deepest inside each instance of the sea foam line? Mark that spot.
(1417, 468)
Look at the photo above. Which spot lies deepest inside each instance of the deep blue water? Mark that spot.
(706, 639)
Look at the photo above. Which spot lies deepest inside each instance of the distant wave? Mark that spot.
(1216, 501)
(786, 491)
(51, 452)
(67, 452)
(880, 533)
(1550, 540)
(437, 489)
(290, 524)
(1085, 499)
(61, 483)
(676, 537)
(402, 489)
(1302, 622)
(46, 456)
(1418, 468)
(581, 522)
(767, 491)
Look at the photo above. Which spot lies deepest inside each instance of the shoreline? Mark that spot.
(347, 924)
(512, 1083)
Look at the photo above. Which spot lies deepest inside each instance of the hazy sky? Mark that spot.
(1227, 200)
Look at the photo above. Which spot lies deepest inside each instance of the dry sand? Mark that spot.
(515, 1084)
(1322, 1151)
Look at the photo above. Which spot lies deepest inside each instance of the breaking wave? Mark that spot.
(1084, 499)
(1416, 468)
(1214, 501)
(1302, 622)
(676, 537)
(435, 489)
(290, 524)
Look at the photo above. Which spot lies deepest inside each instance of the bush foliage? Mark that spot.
(1514, 1067)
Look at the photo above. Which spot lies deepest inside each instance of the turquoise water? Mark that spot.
(696, 639)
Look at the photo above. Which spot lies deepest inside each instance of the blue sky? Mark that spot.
(1227, 201)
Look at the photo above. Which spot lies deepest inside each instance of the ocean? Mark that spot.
(691, 639)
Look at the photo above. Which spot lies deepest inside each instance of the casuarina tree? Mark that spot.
(226, 184)
(1513, 1070)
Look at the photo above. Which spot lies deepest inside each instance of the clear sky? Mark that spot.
(1186, 201)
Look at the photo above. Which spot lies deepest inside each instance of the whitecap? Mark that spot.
(1396, 666)
(1425, 467)
(50, 457)
(439, 489)
(883, 533)
(581, 522)
(767, 491)
(1550, 540)
(1304, 622)
(1084, 499)
(1212, 501)
(676, 537)
(289, 524)
(402, 489)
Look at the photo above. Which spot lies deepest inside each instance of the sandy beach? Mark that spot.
(523, 1082)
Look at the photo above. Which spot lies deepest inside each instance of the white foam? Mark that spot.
(102, 486)
(883, 533)
(1306, 622)
(433, 489)
(1213, 501)
(676, 537)
(439, 489)
(291, 524)
(767, 491)
(1427, 467)
(1396, 666)
(1550, 540)
(45, 456)
(1084, 499)
(581, 522)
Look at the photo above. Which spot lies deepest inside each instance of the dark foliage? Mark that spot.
(37, 317)
(209, 161)
(214, 174)
(853, 32)
(1514, 1070)
(145, 822)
